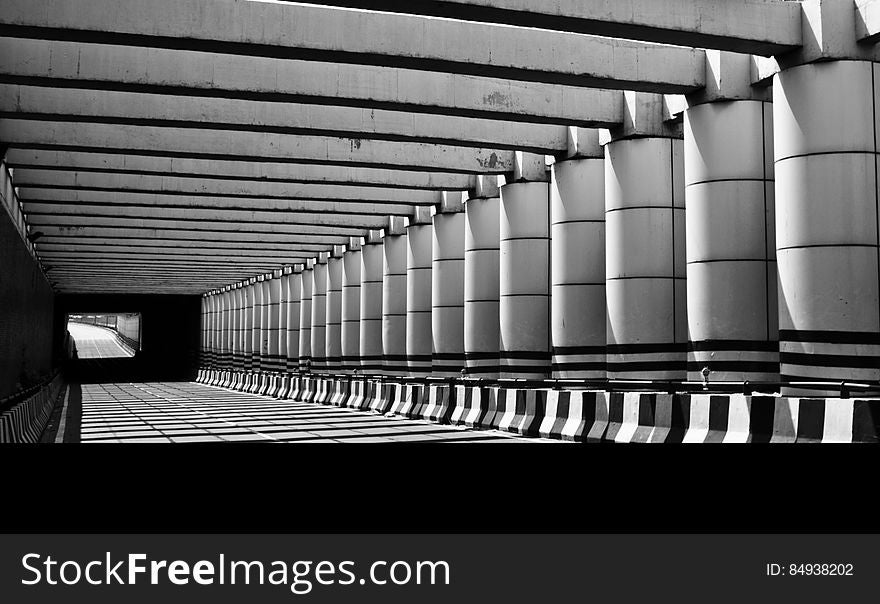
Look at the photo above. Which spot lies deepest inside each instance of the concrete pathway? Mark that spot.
(94, 342)
(183, 412)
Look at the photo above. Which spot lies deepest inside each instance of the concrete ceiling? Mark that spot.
(177, 146)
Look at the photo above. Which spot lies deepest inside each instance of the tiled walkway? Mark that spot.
(188, 412)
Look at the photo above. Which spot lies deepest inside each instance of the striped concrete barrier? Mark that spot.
(296, 386)
(356, 394)
(575, 415)
(581, 415)
(417, 401)
(405, 399)
(471, 405)
(519, 411)
(340, 393)
(25, 421)
(439, 403)
(386, 394)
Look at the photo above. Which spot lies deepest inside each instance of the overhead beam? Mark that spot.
(193, 247)
(121, 234)
(242, 173)
(181, 73)
(140, 109)
(314, 33)
(248, 146)
(47, 212)
(762, 27)
(219, 224)
(37, 183)
(286, 211)
(50, 256)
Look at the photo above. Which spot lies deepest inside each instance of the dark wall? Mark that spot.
(26, 314)
(170, 335)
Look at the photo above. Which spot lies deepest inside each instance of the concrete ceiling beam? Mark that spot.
(745, 26)
(216, 144)
(315, 33)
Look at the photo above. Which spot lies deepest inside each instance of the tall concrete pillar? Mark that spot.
(265, 325)
(238, 329)
(577, 259)
(394, 297)
(645, 246)
(257, 326)
(351, 306)
(524, 285)
(247, 334)
(216, 312)
(481, 278)
(216, 319)
(372, 284)
(227, 327)
(283, 304)
(825, 139)
(273, 320)
(447, 286)
(305, 316)
(319, 313)
(207, 337)
(334, 310)
(203, 331)
(294, 296)
(419, 235)
(731, 247)
(232, 332)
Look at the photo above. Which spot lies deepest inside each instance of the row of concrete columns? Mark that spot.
(651, 256)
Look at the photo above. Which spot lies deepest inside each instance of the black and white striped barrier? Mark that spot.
(439, 403)
(584, 416)
(25, 421)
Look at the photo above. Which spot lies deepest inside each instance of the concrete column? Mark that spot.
(645, 259)
(319, 313)
(305, 317)
(825, 140)
(216, 327)
(447, 286)
(524, 285)
(419, 235)
(272, 320)
(257, 324)
(226, 357)
(230, 326)
(235, 320)
(481, 277)
(372, 283)
(394, 297)
(731, 257)
(577, 259)
(208, 335)
(265, 331)
(209, 329)
(283, 304)
(334, 310)
(247, 335)
(216, 312)
(351, 306)
(294, 296)
(203, 333)
(241, 322)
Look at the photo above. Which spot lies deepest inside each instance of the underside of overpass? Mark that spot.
(499, 220)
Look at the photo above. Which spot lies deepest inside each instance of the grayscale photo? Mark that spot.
(439, 221)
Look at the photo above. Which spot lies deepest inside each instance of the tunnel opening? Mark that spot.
(98, 335)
